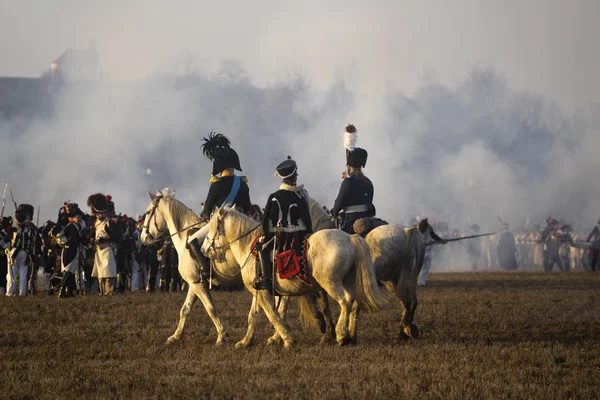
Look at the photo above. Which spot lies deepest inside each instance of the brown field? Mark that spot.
(484, 335)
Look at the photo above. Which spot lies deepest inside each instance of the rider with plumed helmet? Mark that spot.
(286, 215)
(225, 188)
(355, 198)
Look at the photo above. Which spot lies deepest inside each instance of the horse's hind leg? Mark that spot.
(282, 310)
(190, 299)
(353, 325)
(201, 290)
(248, 340)
(325, 317)
(344, 299)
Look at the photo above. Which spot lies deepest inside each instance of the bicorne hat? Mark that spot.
(217, 149)
(286, 169)
(356, 157)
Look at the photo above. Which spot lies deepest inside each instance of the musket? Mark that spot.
(463, 238)
(37, 221)
(3, 201)
(13, 198)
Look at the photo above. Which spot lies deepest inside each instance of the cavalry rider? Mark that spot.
(104, 236)
(594, 239)
(355, 199)
(69, 239)
(225, 188)
(23, 245)
(286, 215)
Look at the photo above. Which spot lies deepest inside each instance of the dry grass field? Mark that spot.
(484, 335)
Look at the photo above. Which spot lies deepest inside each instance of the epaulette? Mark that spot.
(214, 179)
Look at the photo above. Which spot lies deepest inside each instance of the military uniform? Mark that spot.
(355, 198)
(225, 188)
(430, 237)
(594, 239)
(22, 251)
(507, 250)
(104, 233)
(286, 216)
(5, 236)
(70, 240)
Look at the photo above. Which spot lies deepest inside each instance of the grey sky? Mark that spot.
(546, 45)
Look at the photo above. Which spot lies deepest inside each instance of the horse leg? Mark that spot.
(354, 323)
(190, 299)
(282, 310)
(325, 314)
(345, 300)
(265, 300)
(248, 340)
(201, 290)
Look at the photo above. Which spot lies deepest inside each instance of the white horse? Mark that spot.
(168, 216)
(338, 263)
(397, 255)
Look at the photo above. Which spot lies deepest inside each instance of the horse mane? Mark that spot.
(320, 219)
(243, 223)
(180, 213)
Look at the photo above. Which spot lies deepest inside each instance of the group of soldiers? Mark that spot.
(102, 249)
(82, 253)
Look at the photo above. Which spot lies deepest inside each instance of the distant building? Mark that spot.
(77, 65)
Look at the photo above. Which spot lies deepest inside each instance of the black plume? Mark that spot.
(215, 146)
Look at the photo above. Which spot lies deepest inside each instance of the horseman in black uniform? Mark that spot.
(225, 188)
(286, 216)
(355, 199)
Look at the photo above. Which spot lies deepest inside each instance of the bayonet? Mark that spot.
(3, 201)
(463, 238)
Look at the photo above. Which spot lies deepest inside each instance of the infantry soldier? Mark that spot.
(430, 237)
(49, 255)
(594, 240)
(355, 198)
(22, 252)
(70, 239)
(105, 266)
(5, 236)
(286, 215)
(225, 188)
(507, 249)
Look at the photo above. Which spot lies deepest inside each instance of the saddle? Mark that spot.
(290, 255)
(363, 226)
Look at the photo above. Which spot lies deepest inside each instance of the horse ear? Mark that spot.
(152, 197)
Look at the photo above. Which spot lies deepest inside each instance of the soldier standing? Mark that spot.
(105, 266)
(22, 251)
(70, 239)
(594, 240)
(5, 236)
(430, 237)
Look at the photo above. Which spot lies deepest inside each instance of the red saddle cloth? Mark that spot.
(291, 259)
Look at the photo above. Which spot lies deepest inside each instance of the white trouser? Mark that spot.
(18, 271)
(200, 235)
(426, 268)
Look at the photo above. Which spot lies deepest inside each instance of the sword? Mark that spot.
(463, 238)
(3, 201)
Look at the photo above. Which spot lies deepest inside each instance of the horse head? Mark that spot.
(155, 226)
(216, 230)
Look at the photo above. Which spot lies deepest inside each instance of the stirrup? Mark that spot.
(262, 283)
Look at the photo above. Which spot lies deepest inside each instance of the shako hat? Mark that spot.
(24, 212)
(217, 148)
(286, 169)
(356, 157)
(97, 203)
(72, 210)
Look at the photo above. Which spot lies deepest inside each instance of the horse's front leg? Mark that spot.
(190, 299)
(282, 310)
(248, 340)
(201, 290)
(265, 300)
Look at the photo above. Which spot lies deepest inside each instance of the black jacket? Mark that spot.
(284, 209)
(354, 192)
(73, 236)
(219, 191)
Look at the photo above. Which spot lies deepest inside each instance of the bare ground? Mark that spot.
(484, 335)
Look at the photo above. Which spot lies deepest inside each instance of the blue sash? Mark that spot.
(235, 188)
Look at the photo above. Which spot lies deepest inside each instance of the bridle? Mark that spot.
(221, 232)
(153, 215)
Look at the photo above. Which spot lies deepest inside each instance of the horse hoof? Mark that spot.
(222, 339)
(288, 345)
(412, 331)
(344, 342)
(242, 345)
(274, 341)
(353, 341)
(172, 340)
(327, 339)
(403, 336)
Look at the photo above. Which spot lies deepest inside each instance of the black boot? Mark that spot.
(64, 290)
(263, 281)
(203, 261)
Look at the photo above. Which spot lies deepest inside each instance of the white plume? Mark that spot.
(350, 140)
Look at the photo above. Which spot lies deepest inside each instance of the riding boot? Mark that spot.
(64, 286)
(263, 281)
(203, 261)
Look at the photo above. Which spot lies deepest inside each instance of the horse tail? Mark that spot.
(412, 262)
(308, 310)
(368, 294)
